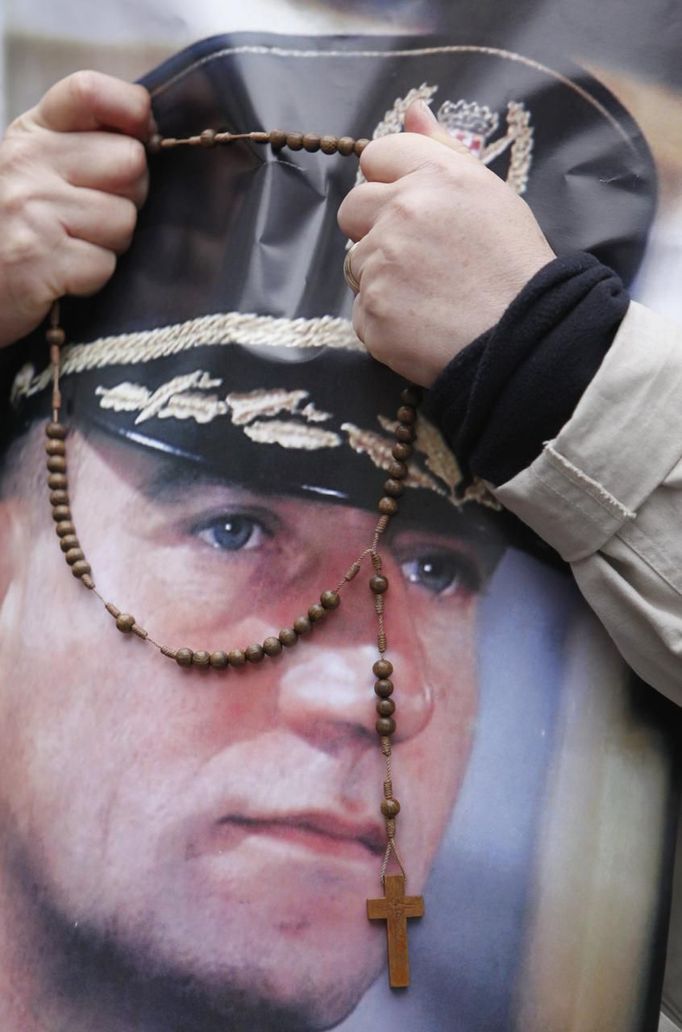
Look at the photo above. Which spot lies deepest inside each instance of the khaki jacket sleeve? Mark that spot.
(606, 493)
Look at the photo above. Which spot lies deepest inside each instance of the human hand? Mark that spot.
(73, 174)
(444, 247)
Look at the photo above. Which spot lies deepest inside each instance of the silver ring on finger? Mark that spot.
(348, 274)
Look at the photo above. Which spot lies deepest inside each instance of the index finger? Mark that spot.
(391, 157)
(89, 100)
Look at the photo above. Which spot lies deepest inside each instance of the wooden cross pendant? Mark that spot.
(395, 909)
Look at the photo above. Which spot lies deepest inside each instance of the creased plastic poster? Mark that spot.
(193, 848)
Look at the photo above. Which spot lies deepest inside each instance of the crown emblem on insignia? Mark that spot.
(468, 117)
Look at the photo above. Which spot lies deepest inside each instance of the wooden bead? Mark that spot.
(125, 622)
(385, 707)
(388, 506)
(259, 137)
(278, 138)
(73, 555)
(218, 660)
(329, 144)
(272, 646)
(406, 433)
(378, 584)
(61, 512)
(140, 631)
(390, 807)
(345, 145)
(183, 657)
(154, 146)
(55, 481)
(56, 464)
(394, 488)
(385, 726)
(316, 612)
(397, 470)
(383, 688)
(295, 141)
(401, 451)
(201, 658)
(288, 636)
(359, 146)
(207, 138)
(382, 668)
(236, 658)
(87, 581)
(69, 541)
(330, 599)
(81, 567)
(406, 414)
(411, 395)
(302, 625)
(64, 528)
(311, 142)
(55, 447)
(56, 431)
(60, 497)
(254, 653)
(55, 335)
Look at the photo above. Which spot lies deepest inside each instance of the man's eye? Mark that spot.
(443, 573)
(232, 533)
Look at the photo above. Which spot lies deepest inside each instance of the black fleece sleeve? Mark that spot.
(515, 386)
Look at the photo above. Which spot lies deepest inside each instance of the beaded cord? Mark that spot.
(330, 599)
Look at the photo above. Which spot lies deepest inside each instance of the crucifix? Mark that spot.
(395, 909)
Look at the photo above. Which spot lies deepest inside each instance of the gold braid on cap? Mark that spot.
(395, 907)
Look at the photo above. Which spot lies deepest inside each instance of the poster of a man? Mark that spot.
(192, 848)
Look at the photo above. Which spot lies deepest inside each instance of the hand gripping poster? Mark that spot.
(292, 749)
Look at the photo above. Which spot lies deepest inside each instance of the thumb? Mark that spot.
(419, 118)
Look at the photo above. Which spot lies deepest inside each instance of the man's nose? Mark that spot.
(326, 690)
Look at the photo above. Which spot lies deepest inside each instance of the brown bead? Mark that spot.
(382, 668)
(295, 141)
(55, 447)
(56, 430)
(359, 146)
(55, 481)
(111, 608)
(378, 584)
(183, 657)
(406, 414)
(154, 146)
(345, 145)
(394, 488)
(64, 528)
(201, 658)
(55, 335)
(329, 144)
(254, 653)
(311, 142)
(385, 707)
(87, 581)
(388, 506)
(401, 451)
(218, 660)
(56, 464)
(390, 807)
(278, 138)
(330, 599)
(60, 497)
(316, 612)
(411, 395)
(259, 137)
(288, 636)
(140, 631)
(69, 541)
(272, 646)
(397, 470)
(406, 433)
(385, 726)
(125, 622)
(236, 658)
(61, 512)
(302, 625)
(383, 688)
(207, 138)
(73, 555)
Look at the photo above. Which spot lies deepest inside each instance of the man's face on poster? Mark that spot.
(222, 827)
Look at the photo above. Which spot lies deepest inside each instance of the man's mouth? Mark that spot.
(315, 830)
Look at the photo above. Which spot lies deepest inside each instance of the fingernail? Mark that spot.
(426, 111)
(152, 126)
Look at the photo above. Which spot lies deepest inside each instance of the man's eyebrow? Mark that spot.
(172, 478)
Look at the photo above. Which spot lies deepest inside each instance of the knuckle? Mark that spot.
(83, 88)
(132, 161)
